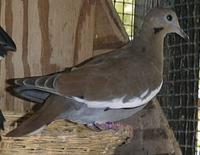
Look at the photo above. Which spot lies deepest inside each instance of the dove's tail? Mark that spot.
(33, 95)
(45, 115)
(35, 89)
(25, 88)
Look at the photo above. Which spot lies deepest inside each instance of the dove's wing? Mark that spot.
(99, 81)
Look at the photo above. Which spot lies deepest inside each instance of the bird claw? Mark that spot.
(93, 126)
(117, 126)
(109, 126)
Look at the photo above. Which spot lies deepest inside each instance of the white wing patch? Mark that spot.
(118, 102)
(144, 94)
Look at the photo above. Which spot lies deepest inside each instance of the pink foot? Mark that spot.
(114, 126)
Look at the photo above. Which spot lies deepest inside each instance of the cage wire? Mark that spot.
(126, 9)
(179, 94)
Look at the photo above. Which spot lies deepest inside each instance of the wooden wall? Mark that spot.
(53, 34)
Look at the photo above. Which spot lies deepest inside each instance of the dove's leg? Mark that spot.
(112, 126)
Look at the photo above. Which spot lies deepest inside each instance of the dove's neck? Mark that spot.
(151, 46)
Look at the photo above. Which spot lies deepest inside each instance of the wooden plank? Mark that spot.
(85, 32)
(44, 32)
(109, 30)
(152, 134)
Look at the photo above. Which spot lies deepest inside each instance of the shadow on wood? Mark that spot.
(152, 134)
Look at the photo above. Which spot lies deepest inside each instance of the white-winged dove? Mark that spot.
(6, 44)
(105, 88)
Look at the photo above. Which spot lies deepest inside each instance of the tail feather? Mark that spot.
(48, 113)
(18, 82)
(36, 89)
(29, 81)
(41, 81)
(49, 83)
(32, 94)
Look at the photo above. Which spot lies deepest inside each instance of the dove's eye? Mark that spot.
(169, 18)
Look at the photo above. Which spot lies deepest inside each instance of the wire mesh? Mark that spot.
(126, 9)
(179, 94)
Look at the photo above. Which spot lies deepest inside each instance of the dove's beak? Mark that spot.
(180, 32)
(183, 34)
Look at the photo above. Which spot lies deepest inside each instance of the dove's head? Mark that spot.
(163, 21)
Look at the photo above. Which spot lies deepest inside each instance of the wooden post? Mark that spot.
(152, 133)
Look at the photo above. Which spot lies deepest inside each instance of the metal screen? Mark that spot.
(126, 9)
(179, 94)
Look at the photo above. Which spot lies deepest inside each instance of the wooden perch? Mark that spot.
(61, 138)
